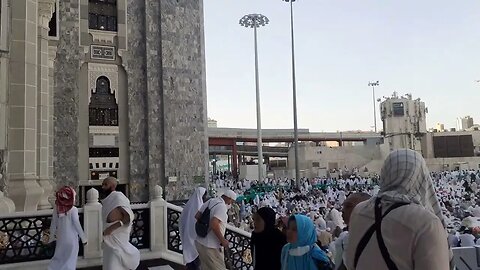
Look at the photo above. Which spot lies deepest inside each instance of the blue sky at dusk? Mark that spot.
(430, 48)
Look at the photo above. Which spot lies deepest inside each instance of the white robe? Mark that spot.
(65, 229)
(187, 225)
(118, 252)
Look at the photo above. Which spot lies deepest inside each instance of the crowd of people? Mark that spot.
(404, 218)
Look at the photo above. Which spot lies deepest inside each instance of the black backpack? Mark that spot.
(202, 226)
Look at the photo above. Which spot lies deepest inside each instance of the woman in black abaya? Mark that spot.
(267, 241)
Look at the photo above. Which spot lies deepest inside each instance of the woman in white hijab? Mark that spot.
(403, 226)
(336, 218)
(187, 228)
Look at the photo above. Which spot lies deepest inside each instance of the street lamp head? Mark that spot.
(288, 1)
(254, 20)
(374, 83)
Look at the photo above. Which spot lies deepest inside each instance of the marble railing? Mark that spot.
(24, 236)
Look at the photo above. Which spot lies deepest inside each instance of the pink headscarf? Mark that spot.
(65, 199)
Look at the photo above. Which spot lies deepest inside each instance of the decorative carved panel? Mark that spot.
(102, 52)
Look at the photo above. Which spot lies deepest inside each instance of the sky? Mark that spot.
(429, 48)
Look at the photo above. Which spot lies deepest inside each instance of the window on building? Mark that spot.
(4, 23)
(103, 152)
(103, 108)
(52, 25)
(102, 15)
(398, 109)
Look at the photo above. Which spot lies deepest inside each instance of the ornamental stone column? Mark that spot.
(45, 12)
(23, 187)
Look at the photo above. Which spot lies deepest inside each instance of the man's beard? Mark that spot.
(105, 193)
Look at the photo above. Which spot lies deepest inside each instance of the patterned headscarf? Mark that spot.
(65, 199)
(405, 178)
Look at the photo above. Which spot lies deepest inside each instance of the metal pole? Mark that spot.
(294, 85)
(259, 119)
(374, 109)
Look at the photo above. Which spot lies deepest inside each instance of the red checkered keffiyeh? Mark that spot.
(65, 199)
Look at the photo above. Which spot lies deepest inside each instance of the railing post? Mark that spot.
(6, 204)
(158, 221)
(92, 215)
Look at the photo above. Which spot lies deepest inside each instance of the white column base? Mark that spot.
(25, 193)
(6, 205)
(47, 192)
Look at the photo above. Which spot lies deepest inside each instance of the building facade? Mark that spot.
(404, 125)
(467, 122)
(404, 121)
(212, 123)
(101, 88)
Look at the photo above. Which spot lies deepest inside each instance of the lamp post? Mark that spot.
(373, 84)
(255, 21)
(294, 86)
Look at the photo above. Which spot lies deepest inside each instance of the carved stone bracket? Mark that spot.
(45, 12)
(103, 36)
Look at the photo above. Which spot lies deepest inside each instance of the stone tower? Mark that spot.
(130, 98)
(404, 122)
(110, 88)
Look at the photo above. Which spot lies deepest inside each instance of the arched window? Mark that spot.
(102, 15)
(103, 108)
(52, 25)
(103, 85)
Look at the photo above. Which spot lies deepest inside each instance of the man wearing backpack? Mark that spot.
(210, 227)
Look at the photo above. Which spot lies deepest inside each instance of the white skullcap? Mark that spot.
(230, 194)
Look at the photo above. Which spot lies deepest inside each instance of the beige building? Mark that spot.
(404, 121)
(467, 122)
(440, 127)
(212, 123)
(96, 88)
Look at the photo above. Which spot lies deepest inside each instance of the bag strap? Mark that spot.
(214, 206)
(381, 243)
(210, 208)
(368, 235)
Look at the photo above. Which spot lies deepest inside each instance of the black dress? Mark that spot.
(267, 246)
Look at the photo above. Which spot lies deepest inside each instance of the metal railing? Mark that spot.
(140, 235)
(24, 237)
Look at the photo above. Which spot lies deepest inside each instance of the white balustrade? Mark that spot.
(93, 225)
(6, 204)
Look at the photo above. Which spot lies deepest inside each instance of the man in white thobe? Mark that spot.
(117, 215)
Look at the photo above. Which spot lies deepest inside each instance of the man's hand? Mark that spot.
(108, 231)
(198, 215)
(225, 243)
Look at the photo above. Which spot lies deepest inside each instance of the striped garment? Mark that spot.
(405, 178)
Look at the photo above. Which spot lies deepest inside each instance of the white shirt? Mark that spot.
(467, 240)
(218, 209)
(340, 247)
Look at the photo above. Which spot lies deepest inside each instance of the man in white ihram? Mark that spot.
(210, 248)
(118, 253)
